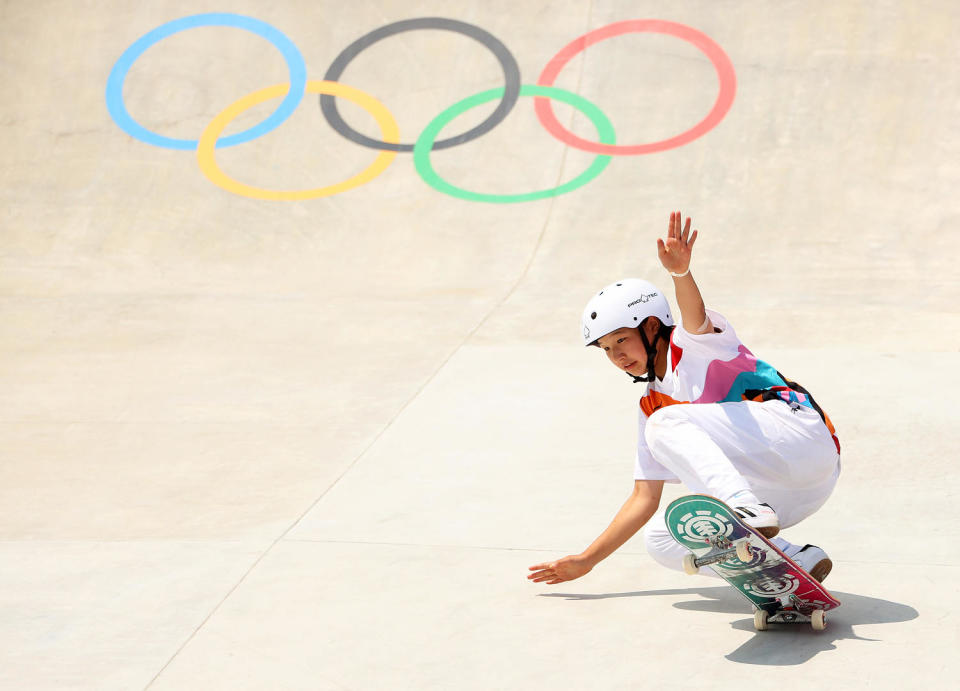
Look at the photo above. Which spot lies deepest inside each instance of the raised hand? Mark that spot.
(676, 250)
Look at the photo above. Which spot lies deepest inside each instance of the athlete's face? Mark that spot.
(625, 350)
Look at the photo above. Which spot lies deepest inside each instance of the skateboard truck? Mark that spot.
(722, 550)
(789, 609)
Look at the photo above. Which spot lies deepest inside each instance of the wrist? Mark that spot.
(588, 559)
(685, 273)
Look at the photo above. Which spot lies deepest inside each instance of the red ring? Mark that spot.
(721, 63)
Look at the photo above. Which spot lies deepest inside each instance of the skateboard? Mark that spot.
(780, 591)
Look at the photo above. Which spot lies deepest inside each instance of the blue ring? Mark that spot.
(295, 63)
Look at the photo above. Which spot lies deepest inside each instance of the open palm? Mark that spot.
(676, 250)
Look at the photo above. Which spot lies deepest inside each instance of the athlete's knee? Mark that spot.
(666, 551)
(659, 544)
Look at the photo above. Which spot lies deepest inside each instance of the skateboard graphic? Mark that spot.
(780, 591)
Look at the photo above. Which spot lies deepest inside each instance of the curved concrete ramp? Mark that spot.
(313, 440)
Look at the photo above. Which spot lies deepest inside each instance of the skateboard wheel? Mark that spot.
(743, 551)
(818, 619)
(689, 564)
(760, 619)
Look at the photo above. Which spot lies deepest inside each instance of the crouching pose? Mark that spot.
(713, 417)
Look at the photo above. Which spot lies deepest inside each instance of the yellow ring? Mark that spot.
(208, 141)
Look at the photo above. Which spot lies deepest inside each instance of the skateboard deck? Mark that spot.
(780, 591)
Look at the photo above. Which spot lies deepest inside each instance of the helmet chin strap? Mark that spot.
(651, 348)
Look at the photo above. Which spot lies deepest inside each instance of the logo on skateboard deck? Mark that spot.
(697, 527)
(818, 604)
(773, 587)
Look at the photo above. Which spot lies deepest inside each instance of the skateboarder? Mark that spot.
(713, 417)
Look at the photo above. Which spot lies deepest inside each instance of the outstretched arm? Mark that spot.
(633, 515)
(675, 253)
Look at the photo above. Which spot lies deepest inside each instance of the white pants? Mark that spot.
(785, 456)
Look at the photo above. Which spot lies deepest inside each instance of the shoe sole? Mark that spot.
(821, 570)
(768, 531)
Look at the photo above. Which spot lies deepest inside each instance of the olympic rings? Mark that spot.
(421, 152)
(721, 63)
(330, 87)
(208, 164)
(511, 74)
(295, 63)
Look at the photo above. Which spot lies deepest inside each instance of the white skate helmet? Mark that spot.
(625, 303)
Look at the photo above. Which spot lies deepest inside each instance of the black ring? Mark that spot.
(511, 73)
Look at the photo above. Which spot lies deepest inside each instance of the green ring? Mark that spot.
(424, 145)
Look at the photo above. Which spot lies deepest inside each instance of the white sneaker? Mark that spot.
(760, 517)
(814, 561)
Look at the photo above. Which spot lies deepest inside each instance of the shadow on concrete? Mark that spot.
(782, 644)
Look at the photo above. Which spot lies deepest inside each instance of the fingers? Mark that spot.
(679, 230)
(545, 573)
(549, 580)
(541, 572)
